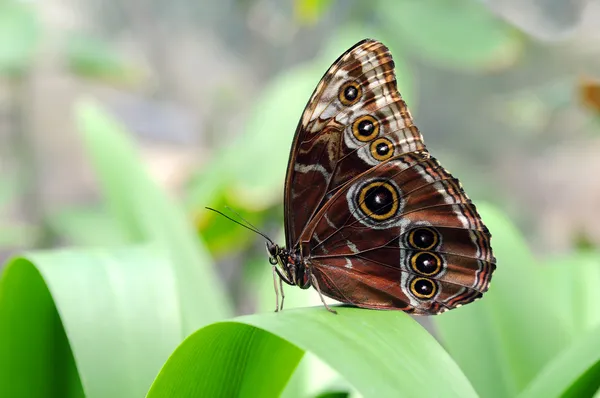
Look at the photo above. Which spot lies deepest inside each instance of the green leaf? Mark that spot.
(19, 34)
(504, 340)
(35, 358)
(382, 353)
(87, 227)
(116, 310)
(146, 213)
(455, 33)
(573, 281)
(573, 373)
(228, 362)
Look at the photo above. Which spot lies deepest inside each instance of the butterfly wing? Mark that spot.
(402, 235)
(379, 223)
(354, 120)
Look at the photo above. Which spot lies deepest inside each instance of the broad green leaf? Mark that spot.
(382, 353)
(455, 33)
(93, 322)
(228, 362)
(574, 373)
(87, 227)
(334, 394)
(35, 358)
(573, 281)
(146, 213)
(504, 340)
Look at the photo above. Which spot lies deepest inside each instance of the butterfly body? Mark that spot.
(372, 219)
(291, 266)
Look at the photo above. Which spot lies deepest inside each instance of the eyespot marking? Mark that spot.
(365, 128)
(423, 288)
(423, 238)
(350, 93)
(382, 149)
(379, 200)
(426, 263)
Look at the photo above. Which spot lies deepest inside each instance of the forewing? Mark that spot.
(355, 120)
(402, 235)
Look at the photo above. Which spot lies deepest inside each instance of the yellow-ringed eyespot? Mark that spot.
(379, 200)
(426, 263)
(349, 93)
(382, 149)
(365, 128)
(423, 238)
(423, 288)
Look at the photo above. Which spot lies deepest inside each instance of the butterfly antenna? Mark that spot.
(249, 226)
(242, 218)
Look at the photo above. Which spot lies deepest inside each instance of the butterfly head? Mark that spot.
(289, 266)
(274, 253)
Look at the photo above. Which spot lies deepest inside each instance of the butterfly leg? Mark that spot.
(316, 285)
(277, 290)
(278, 275)
(282, 294)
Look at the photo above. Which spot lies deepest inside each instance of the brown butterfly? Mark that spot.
(371, 218)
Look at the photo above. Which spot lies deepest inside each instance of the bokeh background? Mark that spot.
(505, 93)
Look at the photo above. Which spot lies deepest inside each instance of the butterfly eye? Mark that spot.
(423, 288)
(423, 238)
(378, 200)
(382, 149)
(426, 263)
(365, 128)
(350, 93)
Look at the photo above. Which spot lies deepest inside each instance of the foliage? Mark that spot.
(82, 309)
(138, 308)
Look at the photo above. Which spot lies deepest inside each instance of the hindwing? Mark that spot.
(404, 231)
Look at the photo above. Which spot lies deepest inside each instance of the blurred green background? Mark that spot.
(120, 121)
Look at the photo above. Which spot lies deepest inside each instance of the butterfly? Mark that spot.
(371, 218)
